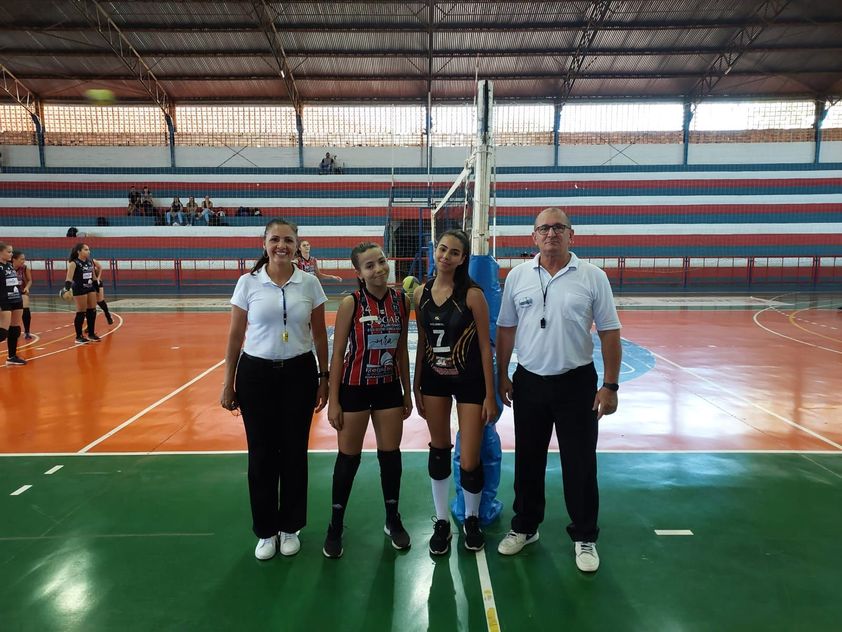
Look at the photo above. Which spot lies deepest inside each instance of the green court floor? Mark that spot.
(164, 543)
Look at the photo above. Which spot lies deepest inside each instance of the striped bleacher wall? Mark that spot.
(662, 228)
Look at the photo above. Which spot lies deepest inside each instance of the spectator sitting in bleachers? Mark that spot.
(175, 216)
(192, 209)
(327, 164)
(134, 201)
(338, 167)
(147, 204)
(207, 210)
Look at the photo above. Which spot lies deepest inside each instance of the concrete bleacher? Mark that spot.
(623, 218)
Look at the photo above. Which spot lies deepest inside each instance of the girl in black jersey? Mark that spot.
(454, 361)
(11, 305)
(370, 365)
(81, 280)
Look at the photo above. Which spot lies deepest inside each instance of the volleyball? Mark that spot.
(100, 96)
(66, 296)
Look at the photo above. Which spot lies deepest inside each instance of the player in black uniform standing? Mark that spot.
(81, 280)
(370, 365)
(454, 361)
(11, 305)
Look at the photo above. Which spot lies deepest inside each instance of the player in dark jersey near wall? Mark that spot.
(24, 283)
(370, 366)
(11, 305)
(310, 264)
(454, 361)
(81, 281)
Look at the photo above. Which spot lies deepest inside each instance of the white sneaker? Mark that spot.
(514, 542)
(266, 548)
(290, 544)
(587, 559)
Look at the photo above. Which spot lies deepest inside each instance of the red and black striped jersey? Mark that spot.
(307, 265)
(371, 355)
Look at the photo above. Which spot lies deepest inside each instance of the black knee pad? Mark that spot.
(439, 463)
(347, 464)
(3, 334)
(474, 481)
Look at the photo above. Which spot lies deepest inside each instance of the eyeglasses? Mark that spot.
(544, 229)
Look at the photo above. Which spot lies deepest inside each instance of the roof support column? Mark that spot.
(689, 111)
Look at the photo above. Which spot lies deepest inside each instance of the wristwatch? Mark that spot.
(611, 386)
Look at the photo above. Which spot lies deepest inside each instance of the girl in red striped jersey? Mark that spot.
(370, 354)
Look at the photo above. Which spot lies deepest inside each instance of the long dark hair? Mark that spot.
(277, 221)
(462, 281)
(355, 257)
(74, 254)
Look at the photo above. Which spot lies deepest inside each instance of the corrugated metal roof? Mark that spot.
(199, 49)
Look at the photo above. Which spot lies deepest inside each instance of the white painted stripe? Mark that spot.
(780, 335)
(149, 408)
(73, 344)
(811, 228)
(20, 490)
(442, 179)
(489, 606)
(673, 532)
(382, 201)
(190, 231)
(748, 401)
(53, 469)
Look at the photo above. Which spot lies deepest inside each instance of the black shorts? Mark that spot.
(83, 291)
(354, 399)
(10, 306)
(466, 391)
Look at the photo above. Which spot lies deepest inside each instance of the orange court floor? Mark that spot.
(699, 374)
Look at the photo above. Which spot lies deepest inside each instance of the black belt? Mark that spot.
(300, 360)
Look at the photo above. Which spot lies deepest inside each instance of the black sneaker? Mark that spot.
(81, 340)
(14, 360)
(27, 336)
(474, 538)
(94, 338)
(440, 541)
(333, 543)
(109, 320)
(394, 529)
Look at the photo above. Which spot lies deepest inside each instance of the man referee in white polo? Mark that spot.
(549, 306)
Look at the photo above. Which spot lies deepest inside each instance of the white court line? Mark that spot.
(673, 532)
(53, 470)
(20, 490)
(721, 388)
(489, 606)
(75, 346)
(771, 331)
(131, 420)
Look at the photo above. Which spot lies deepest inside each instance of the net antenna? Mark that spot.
(479, 167)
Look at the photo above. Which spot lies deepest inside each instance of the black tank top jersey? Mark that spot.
(83, 276)
(371, 356)
(10, 292)
(451, 349)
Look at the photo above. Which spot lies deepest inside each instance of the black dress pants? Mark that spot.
(566, 402)
(276, 400)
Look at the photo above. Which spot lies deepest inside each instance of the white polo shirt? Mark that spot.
(264, 302)
(578, 296)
